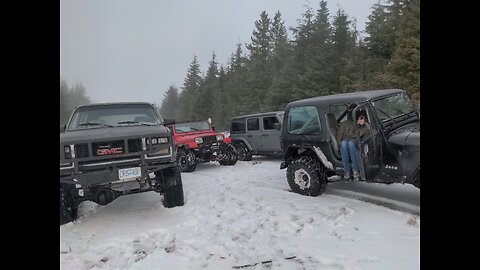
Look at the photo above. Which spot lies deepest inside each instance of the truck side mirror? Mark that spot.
(167, 122)
(62, 128)
(213, 128)
(277, 126)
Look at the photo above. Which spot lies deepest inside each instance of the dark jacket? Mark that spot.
(363, 130)
(346, 131)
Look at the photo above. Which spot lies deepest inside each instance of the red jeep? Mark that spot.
(197, 142)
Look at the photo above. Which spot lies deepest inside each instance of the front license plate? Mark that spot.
(129, 173)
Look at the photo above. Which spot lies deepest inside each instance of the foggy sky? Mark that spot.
(133, 50)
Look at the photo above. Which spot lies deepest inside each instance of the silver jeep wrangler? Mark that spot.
(257, 134)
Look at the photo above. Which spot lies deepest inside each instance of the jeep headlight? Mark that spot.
(199, 140)
(219, 137)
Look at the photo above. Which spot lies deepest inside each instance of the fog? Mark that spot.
(133, 50)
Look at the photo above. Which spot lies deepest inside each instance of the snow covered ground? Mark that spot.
(240, 216)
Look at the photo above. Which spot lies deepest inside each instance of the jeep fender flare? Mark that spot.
(243, 140)
(314, 151)
(180, 146)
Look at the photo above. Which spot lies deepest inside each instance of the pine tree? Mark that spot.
(235, 82)
(190, 89)
(302, 55)
(205, 105)
(70, 98)
(169, 103)
(281, 58)
(222, 116)
(64, 106)
(343, 44)
(403, 71)
(259, 76)
(381, 28)
(319, 77)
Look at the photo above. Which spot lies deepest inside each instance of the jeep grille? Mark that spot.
(209, 139)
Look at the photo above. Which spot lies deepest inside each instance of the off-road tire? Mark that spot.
(173, 187)
(231, 156)
(242, 151)
(68, 207)
(306, 176)
(183, 156)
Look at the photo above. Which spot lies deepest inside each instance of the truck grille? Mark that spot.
(81, 150)
(105, 149)
(108, 148)
(134, 145)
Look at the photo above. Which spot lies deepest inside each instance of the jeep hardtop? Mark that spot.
(112, 149)
(389, 153)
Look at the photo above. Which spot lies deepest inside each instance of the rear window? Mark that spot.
(253, 124)
(303, 121)
(238, 126)
(268, 122)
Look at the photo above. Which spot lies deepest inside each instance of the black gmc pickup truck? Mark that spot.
(112, 149)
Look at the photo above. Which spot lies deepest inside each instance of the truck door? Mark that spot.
(253, 133)
(270, 134)
(369, 152)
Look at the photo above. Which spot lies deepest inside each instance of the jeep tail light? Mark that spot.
(219, 137)
(199, 140)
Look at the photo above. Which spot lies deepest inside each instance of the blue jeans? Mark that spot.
(348, 149)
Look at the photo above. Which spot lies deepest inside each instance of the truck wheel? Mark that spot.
(306, 176)
(231, 156)
(186, 160)
(173, 194)
(68, 207)
(243, 153)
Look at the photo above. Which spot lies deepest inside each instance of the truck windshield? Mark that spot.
(192, 126)
(393, 106)
(105, 116)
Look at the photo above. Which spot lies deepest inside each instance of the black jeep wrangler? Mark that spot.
(114, 149)
(389, 153)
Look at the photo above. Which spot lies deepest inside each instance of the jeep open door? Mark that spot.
(369, 152)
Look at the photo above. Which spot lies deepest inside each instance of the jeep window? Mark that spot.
(303, 121)
(253, 124)
(238, 126)
(337, 110)
(393, 106)
(103, 116)
(192, 126)
(268, 122)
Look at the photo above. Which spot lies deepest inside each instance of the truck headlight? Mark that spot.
(219, 137)
(68, 153)
(199, 140)
(163, 140)
(159, 140)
